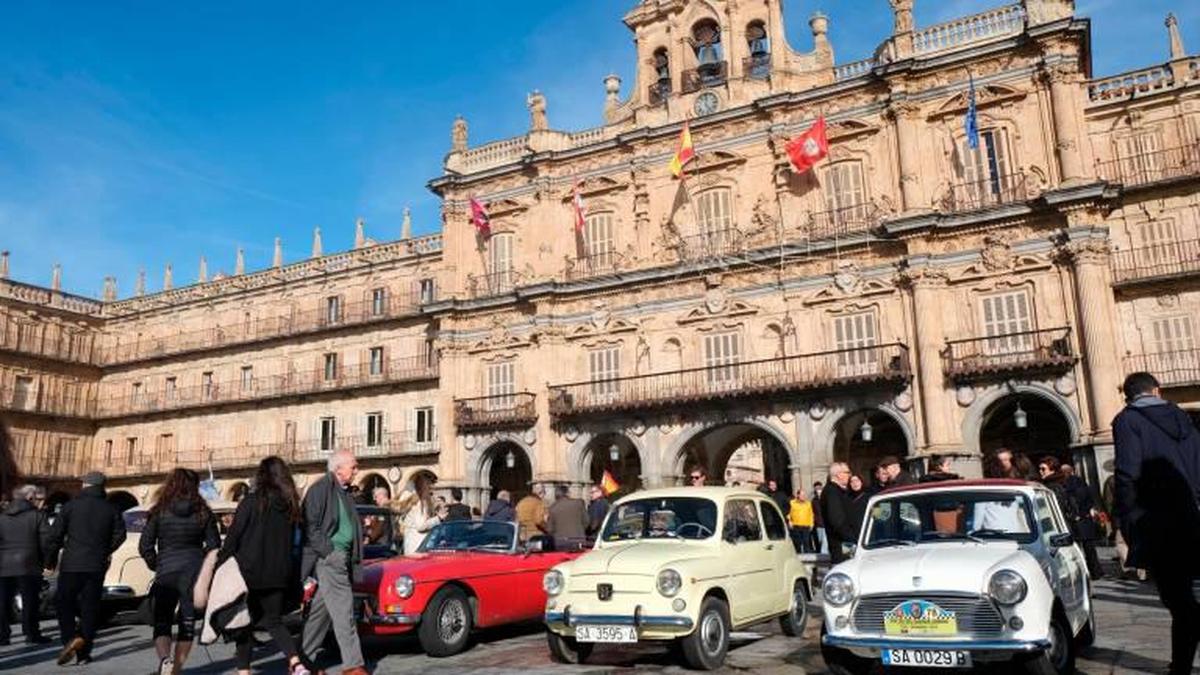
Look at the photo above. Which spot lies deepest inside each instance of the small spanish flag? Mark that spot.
(608, 484)
(685, 154)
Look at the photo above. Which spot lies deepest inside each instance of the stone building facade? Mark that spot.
(910, 295)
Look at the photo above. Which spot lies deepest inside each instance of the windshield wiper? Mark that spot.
(891, 541)
(954, 535)
(990, 532)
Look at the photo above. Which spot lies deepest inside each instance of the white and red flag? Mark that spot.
(480, 218)
(580, 209)
(809, 147)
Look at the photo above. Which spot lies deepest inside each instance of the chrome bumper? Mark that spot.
(567, 619)
(390, 619)
(966, 645)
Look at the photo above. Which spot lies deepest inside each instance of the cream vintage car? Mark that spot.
(682, 565)
(957, 574)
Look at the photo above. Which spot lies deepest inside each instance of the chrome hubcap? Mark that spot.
(798, 610)
(452, 621)
(712, 632)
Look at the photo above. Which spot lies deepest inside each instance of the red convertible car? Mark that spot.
(466, 575)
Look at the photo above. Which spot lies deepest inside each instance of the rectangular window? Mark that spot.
(378, 302)
(714, 219)
(1139, 157)
(986, 173)
(1173, 334)
(598, 244)
(333, 309)
(854, 338)
(331, 367)
(1007, 322)
(426, 290)
(501, 384)
(247, 378)
(206, 384)
(108, 452)
(23, 397)
(426, 431)
(845, 193)
(500, 257)
(135, 392)
(1158, 244)
(604, 367)
(130, 450)
(169, 387)
(328, 433)
(722, 352)
(376, 361)
(374, 429)
(165, 447)
(741, 522)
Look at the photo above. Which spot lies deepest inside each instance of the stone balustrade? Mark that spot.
(998, 22)
(849, 71)
(1132, 83)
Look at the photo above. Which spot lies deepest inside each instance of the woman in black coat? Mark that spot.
(261, 540)
(180, 529)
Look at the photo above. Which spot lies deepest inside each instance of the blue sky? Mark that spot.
(133, 134)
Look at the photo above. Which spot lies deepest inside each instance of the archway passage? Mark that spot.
(739, 455)
(615, 454)
(865, 437)
(370, 483)
(1045, 430)
(122, 500)
(508, 468)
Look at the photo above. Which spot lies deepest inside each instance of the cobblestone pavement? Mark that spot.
(1133, 638)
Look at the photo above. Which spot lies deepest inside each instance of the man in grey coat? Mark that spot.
(24, 541)
(333, 555)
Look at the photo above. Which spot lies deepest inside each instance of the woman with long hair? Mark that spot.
(179, 530)
(261, 539)
(422, 517)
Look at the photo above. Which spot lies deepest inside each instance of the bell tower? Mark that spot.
(698, 57)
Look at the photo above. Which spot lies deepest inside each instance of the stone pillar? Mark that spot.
(1097, 333)
(926, 284)
(905, 113)
(1064, 88)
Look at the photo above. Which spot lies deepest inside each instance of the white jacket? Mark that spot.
(417, 524)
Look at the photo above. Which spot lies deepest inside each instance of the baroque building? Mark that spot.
(911, 295)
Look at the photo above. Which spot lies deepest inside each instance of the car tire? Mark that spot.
(706, 647)
(446, 623)
(793, 623)
(1059, 659)
(567, 650)
(1087, 636)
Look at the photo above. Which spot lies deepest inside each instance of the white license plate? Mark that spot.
(606, 634)
(927, 658)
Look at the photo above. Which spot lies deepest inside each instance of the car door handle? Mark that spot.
(770, 547)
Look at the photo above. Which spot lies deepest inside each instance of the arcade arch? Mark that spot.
(865, 436)
(742, 453)
(122, 500)
(616, 454)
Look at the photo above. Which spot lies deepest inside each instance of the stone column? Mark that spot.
(926, 285)
(1097, 330)
(1064, 88)
(905, 114)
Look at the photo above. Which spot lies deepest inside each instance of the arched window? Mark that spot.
(598, 243)
(758, 64)
(706, 40)
(660, 89)
(500, 258)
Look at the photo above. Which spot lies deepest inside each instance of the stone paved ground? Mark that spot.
(1133, 638)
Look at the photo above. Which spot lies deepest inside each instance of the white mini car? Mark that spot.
(954, 574)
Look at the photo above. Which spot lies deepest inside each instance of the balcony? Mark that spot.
(48, 463)
(987, 193)
(493, 284)
(594, 265)
(706, 75)
(38, 402)
(37, 340)
(1168, 260)
(714, 244)
(495, 412)
(1153, 167)
(847, 368)
(841, 222)
(757, 67)
(1179, 368)
(659, 92)
(263, 328)
(1047, 350)
(266, 387)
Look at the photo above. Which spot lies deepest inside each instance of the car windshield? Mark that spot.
(661, 518)
(975, 515)
(135, 520)
(377, 533)
(471, 535)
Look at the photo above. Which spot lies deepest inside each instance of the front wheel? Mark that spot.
(706, 647)
(1059, 657)
(567, 649)
(792, 624)
(445, 623)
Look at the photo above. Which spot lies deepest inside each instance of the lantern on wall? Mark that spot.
(866, 431)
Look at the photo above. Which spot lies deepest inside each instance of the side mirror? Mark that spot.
(1061, 540)
(535, 546)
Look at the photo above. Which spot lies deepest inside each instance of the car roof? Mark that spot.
(715, 493)
(966, 483)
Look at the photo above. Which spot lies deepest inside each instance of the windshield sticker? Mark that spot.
(919, 617)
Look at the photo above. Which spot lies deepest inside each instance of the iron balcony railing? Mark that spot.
(493, 283)
(857, 367)
(263, 387)
(37, 401)
(1157, 261)
(1048, 349)
(41, 340)
(1152, 167)
(263, 328)
(712, 244)
(841, 222)
(706, 75)
(595, 264)
(49, 463)
(659, 92)
(757, 67)
(986, 193)
(505, 410)
(1178, 368)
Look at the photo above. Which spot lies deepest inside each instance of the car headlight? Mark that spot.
(1007, 587)
(669, 582)
(838, 589)
(553, 582)
(403, 586)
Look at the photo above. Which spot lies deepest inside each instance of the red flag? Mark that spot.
(479, 216)
(809, 147)
(580, 211)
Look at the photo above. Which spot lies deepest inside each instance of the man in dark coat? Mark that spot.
(837, 511)
(87, 531)
(597, 510)
(24, 539)
(567, 519)
(897, 476)
(1157, 487)
(501, 509)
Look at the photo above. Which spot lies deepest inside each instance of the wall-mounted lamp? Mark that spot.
(510, 460)
(866, 431)
(614, 453)
(1020, 417)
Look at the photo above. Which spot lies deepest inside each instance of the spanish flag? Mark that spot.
(685, 154)
(608, 484)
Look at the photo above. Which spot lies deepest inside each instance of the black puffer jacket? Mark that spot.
(176, 538)
(87, 531)
(262, 539)
(24, 539)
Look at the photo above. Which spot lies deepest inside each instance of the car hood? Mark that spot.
(424, 567)
(950, 566)
(638, 557)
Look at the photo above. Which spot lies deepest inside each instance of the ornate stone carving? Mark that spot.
(537, 111)
(637, 427)
(903, 401)
(903, 11)
(1168, 300)
(818, 410)
(530, 436)
(458, 135)
(964, 395)
(763, 220)
(922, 277)
(997, 254)
(1065, 385)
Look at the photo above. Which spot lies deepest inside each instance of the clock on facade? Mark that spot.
(707, 103)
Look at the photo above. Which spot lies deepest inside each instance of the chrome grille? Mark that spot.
(977, 615)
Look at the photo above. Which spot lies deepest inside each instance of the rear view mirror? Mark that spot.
(1061, 540)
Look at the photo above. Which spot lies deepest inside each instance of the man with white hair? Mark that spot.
(837, 510)
(333, 555)
(24, 536)
(380, 497)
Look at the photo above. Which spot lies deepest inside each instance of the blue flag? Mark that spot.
(972, 121)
